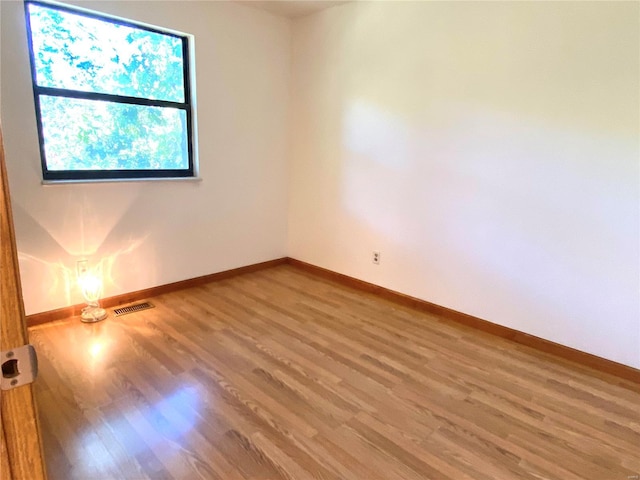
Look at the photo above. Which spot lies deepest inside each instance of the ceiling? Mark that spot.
(292, 8)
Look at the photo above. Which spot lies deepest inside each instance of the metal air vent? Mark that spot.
(136, 307)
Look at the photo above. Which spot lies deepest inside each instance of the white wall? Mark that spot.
(153, 233)
(489, 150)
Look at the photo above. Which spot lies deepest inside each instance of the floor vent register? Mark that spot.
(136, 307)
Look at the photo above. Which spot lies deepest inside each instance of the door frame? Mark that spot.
(20, 436)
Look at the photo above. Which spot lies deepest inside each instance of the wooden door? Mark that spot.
(21, 449)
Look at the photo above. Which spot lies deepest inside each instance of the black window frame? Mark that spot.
(112, 174)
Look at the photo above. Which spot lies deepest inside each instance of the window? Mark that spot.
(112, 97)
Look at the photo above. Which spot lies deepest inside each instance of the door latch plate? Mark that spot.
(19, 367)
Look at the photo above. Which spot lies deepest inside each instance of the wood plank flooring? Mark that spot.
(279, 374)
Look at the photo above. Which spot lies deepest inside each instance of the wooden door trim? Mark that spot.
(18, 412)
(5, 467)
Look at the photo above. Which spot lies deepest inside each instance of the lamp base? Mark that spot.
(93, 314)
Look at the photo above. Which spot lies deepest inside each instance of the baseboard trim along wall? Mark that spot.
(594, 362)
(576, 356)
(117, 300)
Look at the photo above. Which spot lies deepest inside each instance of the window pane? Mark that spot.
(76, 52)
(96, 135)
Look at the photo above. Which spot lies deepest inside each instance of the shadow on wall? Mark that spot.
(488, 150)
(499, 206)
(82, 232)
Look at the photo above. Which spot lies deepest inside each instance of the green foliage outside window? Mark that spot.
(110, 96)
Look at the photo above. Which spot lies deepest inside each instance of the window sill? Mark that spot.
(121, 180)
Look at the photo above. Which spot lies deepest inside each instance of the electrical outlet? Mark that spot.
(81, 267)
(376, 258)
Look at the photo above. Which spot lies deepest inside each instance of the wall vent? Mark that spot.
(136, 307)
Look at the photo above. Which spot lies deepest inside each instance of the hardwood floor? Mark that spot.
(279, 374)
